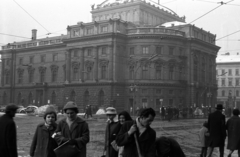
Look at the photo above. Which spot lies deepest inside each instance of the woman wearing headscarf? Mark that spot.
(43, 144)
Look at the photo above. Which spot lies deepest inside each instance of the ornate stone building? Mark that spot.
(119, 58)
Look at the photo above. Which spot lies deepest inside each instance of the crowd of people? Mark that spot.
(214, 132)
(124, 136)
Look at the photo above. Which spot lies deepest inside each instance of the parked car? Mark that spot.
(30, 109)
(21, 109)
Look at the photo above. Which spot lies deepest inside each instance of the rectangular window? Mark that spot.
(54, 76)
(223, 93)
(104, 72)
(104, 28)
(170, 73)
(75, 53)
(75, 74)
(145, 50)
(104, 51)
(144, 103)
(158, 72)
(43, 58)
(89, 73)
(7, 78)
(89, 52)
(131, 73)
(223, 71)
(237, 82)
(144, 72)
(223, 82)
(171, 49)
(181, 51)
(76, 33)
(42, 77)
(54, 57)
(20, 78)
(159, 50)
(229, 82)
(89, 30)
(229, 72)
(237, 72)
(31, 59)
(20, 61)
(30, 79)
(131, 51)
(171, 92)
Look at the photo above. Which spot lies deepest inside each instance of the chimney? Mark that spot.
(34, 34)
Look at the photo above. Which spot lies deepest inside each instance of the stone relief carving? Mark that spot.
(89, 63)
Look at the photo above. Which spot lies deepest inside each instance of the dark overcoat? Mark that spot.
(217, 129)
(233, 130)
(111, 132)
(79, 131)
(8, 137)
(146, 141)
(43, 144)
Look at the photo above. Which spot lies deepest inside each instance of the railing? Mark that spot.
(155, 31)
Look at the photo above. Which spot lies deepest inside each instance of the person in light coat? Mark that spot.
(203, 137)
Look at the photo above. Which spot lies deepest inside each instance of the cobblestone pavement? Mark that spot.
(185, 131)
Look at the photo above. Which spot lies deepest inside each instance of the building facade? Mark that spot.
(228, 78)
(115, 61)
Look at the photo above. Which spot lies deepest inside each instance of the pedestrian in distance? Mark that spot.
(163, 112)
(204, 138)
(217, 130)
(73, 129)
(8, 135)
(86, 112)
(111, 132)
(122, 118)
(43, 144)
(168, 147)
(233, 132)
(89, 110)
(137, 136)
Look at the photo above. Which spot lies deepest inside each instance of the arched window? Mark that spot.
(30, 98)
(104, 72)
(171, 68)
(144, 72)
(101, 98)
(131, 72)
(53, 97)
(54, 75)
(19, 98)
(75, 73)
(86, 98)
(42, 76)
(73, 96)
(158, 71)
(4, 98)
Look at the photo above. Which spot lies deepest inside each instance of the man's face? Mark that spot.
(111, 116)
(71, 114)
(146, 121)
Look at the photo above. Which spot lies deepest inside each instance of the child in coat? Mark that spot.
(203, 137)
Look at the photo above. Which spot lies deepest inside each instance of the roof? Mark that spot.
(228, 59)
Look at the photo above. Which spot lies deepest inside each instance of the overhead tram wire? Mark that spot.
(31, 16)
(227, 35)
(221, 3)
(14, 35)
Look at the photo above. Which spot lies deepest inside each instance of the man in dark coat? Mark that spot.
(138, 131)
(217, 130)
(8, 135)
(233, 130)
(163, 113)
(74, 129)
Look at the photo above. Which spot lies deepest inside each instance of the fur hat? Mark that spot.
(219, 107)
(50, 110)
(111, 110)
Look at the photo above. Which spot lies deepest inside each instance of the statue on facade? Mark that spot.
(92, 6)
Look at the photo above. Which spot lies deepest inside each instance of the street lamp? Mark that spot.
(134, 87)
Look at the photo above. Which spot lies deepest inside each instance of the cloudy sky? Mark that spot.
(53, 16)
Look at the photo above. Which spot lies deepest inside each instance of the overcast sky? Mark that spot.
(56, 15)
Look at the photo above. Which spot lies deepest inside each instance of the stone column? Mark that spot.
(82, 72)
(111, 48)
(95, 53)
(68, 65)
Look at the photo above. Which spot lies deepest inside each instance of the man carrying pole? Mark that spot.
(137, 137)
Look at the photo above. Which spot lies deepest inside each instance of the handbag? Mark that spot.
(66, 150)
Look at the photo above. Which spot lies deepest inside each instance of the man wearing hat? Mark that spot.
(73, 129)
(217, 130)
(8, 135)
(111, 132)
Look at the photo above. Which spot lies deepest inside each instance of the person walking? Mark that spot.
(86, 112)
(137, 136)
(43, 144)
(8, 135)
(163, 111)
(233, 132)
(203, 137)
(73, 129)
(111, 132)
(217, 130)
